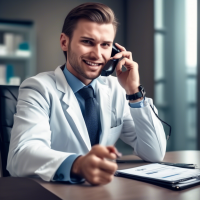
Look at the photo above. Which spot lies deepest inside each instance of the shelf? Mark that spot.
(10, 84)
(15, 28)
(14, 57)
(21, 57)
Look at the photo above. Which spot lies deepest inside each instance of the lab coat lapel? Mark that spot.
(73, 107)
(103, 96)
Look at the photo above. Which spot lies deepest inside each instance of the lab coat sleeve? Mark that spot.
(63, 172)
(30, 150)
(144, 132)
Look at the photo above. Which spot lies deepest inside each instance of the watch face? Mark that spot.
(141, 88)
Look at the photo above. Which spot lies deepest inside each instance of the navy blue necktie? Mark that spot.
(91, 114)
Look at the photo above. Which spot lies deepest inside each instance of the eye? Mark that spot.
(87, 42)
(106, 44)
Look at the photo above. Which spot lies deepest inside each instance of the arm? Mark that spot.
(142, 129)
(144, 132)
(30, 150)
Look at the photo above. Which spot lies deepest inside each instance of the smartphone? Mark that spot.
(111, 64)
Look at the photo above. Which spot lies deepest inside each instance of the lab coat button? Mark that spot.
(61, 176)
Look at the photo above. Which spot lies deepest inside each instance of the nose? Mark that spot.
(96, 52)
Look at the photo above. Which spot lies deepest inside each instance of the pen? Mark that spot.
(114, 151)
(118, 154)
(182, 165)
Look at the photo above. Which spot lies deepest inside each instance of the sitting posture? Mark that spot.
(68, 120)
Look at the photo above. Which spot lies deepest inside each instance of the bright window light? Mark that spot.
(159, 56)
(191, 33)
(158, 16)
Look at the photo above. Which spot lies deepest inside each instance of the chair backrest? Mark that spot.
(8, 102)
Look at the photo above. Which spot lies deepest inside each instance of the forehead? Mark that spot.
(85, 28)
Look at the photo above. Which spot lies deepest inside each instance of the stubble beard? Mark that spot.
(73, 61)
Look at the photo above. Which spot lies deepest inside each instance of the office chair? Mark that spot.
(8, 101)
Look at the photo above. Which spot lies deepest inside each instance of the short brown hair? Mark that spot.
(95, 12)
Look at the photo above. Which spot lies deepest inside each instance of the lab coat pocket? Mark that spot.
(114, 120)
(114, 134)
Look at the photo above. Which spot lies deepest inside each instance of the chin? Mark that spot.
(93, 75)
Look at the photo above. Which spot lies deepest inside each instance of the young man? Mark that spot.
(60, 134)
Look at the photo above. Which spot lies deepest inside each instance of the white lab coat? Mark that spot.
(49, 126)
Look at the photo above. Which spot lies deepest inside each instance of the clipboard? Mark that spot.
(186, 179)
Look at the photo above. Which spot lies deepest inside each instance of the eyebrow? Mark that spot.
(88, 38)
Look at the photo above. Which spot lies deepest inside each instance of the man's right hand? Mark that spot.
(94, 166)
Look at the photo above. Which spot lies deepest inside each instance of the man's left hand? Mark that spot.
(128, 79)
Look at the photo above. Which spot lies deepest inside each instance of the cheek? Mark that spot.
(107, 55)
(81, 50)
(77, 50)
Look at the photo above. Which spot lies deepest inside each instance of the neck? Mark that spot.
(77, 75)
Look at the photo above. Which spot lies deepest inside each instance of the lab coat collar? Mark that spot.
(73, 107)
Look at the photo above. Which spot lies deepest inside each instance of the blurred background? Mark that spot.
(161, 34)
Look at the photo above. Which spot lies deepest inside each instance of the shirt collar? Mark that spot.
(75, 83)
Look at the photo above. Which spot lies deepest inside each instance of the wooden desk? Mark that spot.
(124, 189)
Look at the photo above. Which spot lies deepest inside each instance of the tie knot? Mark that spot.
(86, 93)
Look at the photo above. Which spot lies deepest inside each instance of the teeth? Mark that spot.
(90, 63)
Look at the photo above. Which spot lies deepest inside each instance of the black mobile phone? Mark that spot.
(111, 64)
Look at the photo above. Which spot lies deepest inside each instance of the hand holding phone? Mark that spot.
(128, 79)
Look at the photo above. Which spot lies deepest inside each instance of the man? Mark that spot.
(60, 134)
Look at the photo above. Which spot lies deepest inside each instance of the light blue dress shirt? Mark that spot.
(63, 172)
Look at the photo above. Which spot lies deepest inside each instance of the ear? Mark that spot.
(64, 41)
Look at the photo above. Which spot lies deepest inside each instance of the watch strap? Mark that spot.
(134, 96)
(137, 95)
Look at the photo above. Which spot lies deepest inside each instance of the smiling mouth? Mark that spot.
(92, 63)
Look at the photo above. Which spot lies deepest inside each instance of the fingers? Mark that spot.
(126, 54)
(129, 64)
(101, 177)
(100, 172)
(108, 166)
(103, 152)
(102, 163)
(123, 53)
(125, 59)
(129, 79)
(94, 166)
(120, 47)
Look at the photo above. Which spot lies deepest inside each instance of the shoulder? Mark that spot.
(44, 77)
(41, 80)
(41, 86)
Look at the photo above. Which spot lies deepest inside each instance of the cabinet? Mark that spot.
(17, 50)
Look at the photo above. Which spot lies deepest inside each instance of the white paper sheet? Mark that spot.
(162, 172)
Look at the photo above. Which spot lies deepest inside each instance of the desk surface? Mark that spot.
(122, 188)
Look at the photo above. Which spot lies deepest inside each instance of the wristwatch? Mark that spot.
(137, 95)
